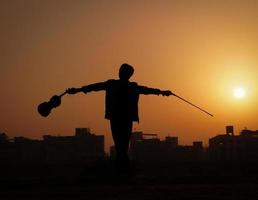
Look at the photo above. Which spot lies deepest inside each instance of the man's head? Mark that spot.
(125, 72)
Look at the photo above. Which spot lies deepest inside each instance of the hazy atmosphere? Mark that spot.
(204, 51)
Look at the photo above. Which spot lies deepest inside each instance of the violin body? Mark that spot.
(44, 109)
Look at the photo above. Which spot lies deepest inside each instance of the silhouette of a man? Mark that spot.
(121, 108)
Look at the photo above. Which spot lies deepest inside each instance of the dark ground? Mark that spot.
(152, 181)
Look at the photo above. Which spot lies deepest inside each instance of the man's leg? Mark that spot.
(121, 132)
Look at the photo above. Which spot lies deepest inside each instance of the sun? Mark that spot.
(239, 93)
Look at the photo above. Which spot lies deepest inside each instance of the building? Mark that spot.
(7, 150)
(144, 147)
(28, 150)
(242, 147)
(84, 147)
(148, 148)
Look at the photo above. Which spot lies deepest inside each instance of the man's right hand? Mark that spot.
(72, 90)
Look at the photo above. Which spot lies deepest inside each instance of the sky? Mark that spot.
(200, 50)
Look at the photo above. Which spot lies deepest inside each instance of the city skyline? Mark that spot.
(85, 147)
(77, 167)
(229, 130)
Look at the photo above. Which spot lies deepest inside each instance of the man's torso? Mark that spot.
(122, 100)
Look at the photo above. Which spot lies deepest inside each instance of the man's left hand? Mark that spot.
(166, 93)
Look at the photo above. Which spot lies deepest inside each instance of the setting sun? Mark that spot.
(239, 93)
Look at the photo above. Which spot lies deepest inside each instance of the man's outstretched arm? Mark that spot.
(88, 88)
(147, 90)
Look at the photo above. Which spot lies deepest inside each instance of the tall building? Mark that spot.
(3, 138)
(84, 147)
(144, 147)
(28, 150)
(234, 147)
(149, 148)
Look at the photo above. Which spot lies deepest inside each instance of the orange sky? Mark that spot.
(200, 50)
